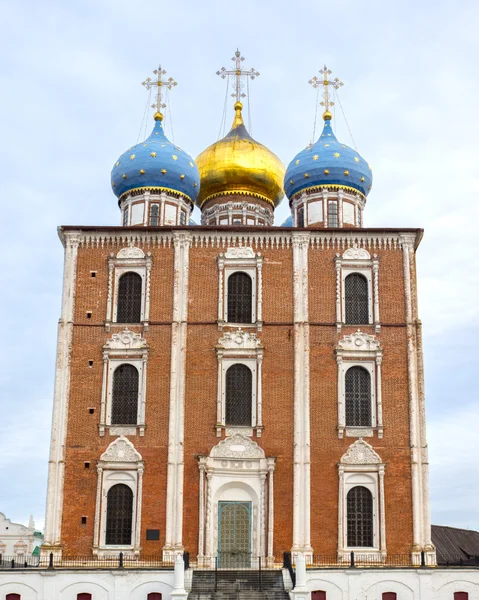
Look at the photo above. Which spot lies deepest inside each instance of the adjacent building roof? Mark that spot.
(455, 545)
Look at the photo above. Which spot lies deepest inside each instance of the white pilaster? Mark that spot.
(270, 511)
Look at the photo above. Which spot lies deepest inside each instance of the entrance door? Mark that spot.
(234, 534)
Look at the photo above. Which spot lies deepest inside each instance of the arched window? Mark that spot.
(83, 596)
(356, 299)
(238, 395)
(240, 298)
(461, 596)
(360, 517)
(154, 596)
(389, 596)
(300, 216)
(154, 214)
(119, 513)
(318, 595)
(13, 597)
(358, 397)
(129, 298)
(124, 405)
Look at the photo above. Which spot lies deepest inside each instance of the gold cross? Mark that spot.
(159, 84)
(326, 82)
(238, 74)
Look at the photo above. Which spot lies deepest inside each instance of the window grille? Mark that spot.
(332, 213)
(129, 298)
(301, 216)
(182, 217)
(119, 514)
(154, 214)
(356, 299)
(358, 397)
(240, 297)
(360, 517)
(239, 381)
(125, 217)
(124, 409)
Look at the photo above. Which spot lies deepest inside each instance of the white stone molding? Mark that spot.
(125, 347)
(130, 258)
(56, 464)
(244, 259)
(176, 432)
(239, 347)
(302, 460)
(237, 213)
(357, 260)
(236, 470)
(362, 350)
(362, 466)
(120, 463)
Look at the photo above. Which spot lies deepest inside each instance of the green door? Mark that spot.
(234, 534)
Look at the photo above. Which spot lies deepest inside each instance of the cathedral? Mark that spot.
(236, 392)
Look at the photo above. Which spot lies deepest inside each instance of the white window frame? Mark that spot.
(240, 347)
(360, 465)
(362, 350)
(120, 463)
(243, 260)
(357, 260)
(134, 260)
(122, 348)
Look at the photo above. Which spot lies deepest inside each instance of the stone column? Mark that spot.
(201, 519)
(271, 511)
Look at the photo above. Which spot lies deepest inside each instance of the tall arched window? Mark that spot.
(356, 299)
(154, 214)
(360, 517)
(129, 298)
(240, 298)
(83, 596)
(119, 514)
(124, 404)
(238, 395)
(358, 397)
(389, 596)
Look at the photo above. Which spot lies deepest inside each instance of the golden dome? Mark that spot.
(237, 164)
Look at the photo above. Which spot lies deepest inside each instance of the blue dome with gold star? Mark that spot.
(328, 163)
(156, 164)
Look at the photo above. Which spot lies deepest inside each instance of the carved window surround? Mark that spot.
(120, 463)
(245, 348)
(128, 259)
(245, 260)
(361, 465)
(122, 348)
(358, 260)
(364, 350)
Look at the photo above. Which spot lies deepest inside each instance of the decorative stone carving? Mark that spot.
(237, 446)
(126, 339)
(121, 450)
(131, 252)
(240, 253)
(360, 453)
(356, 253)
(359, 341)
(239, 339)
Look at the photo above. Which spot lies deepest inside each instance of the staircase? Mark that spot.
(238, 585)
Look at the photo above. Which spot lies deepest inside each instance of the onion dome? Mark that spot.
(287, 222)
(328, 163)
(156, 164)
(238, 164)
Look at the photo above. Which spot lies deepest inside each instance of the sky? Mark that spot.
(72, 102)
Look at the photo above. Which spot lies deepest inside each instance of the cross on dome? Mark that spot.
(326, 82)
(159, 84)
(238, 74)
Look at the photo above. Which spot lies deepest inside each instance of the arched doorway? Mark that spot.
(234, 534)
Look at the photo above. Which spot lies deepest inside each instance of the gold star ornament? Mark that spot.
(163, 171)
(315, 157)
(326, 171)
(306, 175)
(132, 156)
(362, 178)
(346, 173)
(336, 155)
(174, 157)
(153, 154)
(142, 171)
(124, 176)
(297, 162)
(182, 176)
(356, 159)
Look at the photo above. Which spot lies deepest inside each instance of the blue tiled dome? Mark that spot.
(287, 222)
(157, 164)
(327, 163)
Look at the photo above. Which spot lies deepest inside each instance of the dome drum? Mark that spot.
(237, 211)
(154, 207)
(328, 207)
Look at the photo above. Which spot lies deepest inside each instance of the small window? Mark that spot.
(154, 596)
(389, 596)
(119, 515)
(154, 214)
(358, 397)
(124, 408)
(182, 217)
(238, 395)
(360, 517)
(129, 298)
(301, 216)
(356, 299)
(83, 596)
(13, 597)
(332, 213)
(461, 596)
(240, 298)
(125, 217)
(318, 595)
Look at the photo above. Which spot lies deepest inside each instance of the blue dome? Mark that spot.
(328, 163)
(288, 222)
(157, 164)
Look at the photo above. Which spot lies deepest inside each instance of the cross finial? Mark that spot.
(238, 74)
(326, 82)
(159, 84)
